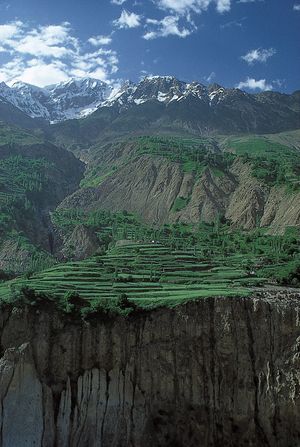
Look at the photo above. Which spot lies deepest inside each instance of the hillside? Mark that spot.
(180, 265)
(35, 176)
(249, 181)
(12, 115)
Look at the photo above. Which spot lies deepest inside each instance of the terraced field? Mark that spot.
(149, 275)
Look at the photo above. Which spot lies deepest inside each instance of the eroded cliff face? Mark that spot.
(149, 187)
(215, 372)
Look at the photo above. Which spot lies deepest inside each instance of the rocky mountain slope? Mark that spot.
(216, 372)
(155, 179)
(157, 102)
(12, 115)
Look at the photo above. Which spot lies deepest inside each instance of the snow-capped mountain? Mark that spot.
(30, 99)
(59, 102)
(76, 98)
(165, 89)
(79, 98)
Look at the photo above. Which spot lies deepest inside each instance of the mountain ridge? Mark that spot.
(79, 98)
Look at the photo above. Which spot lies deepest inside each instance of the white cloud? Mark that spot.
(184, 7)
(45, 55)
(9, 31)
(127, 20)
(232, 23)
(223, 6)
(296, 7)
(258, 55)
(52, 40)
(252, 84)
(168, 26)
(97, 41)
(210, 77)
(118, 2)
(39, 73)
(178, 22)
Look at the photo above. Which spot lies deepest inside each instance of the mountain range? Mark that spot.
(157, 101)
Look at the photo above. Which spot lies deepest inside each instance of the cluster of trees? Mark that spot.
(72, 303)
(212, 239)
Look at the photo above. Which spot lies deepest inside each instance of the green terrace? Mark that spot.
(273, 162)
(148, 274)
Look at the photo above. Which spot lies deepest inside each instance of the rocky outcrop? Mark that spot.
(282, 209)
(247, 203)
(13, 257)
(81, 244)
(208, 200)
(214, 372)
(149, 187)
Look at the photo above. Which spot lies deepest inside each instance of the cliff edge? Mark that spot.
(213, 372)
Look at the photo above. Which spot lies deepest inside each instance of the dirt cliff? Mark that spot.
(215, 372)
(150, 186)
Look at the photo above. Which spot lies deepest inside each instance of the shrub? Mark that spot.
(72, 302)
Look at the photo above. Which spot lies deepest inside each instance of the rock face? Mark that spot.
(216, 372)
(149, 187)
(80, 244)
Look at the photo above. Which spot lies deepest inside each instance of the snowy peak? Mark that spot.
(67, 100)
(164, 89)
(28, 98)
(77, 98)
(23, 88)
(75, 87)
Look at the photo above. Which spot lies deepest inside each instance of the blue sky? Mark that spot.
(253, 44)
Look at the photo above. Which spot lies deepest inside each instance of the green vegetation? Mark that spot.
(180, 203)
(160, 266)
(194, 154)
(142, 267)
(148, 275)
(109, 227)
(93, 179)
(21, 179)
(272, 162)
(209, 239)
(21, 256)
(10, 135)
